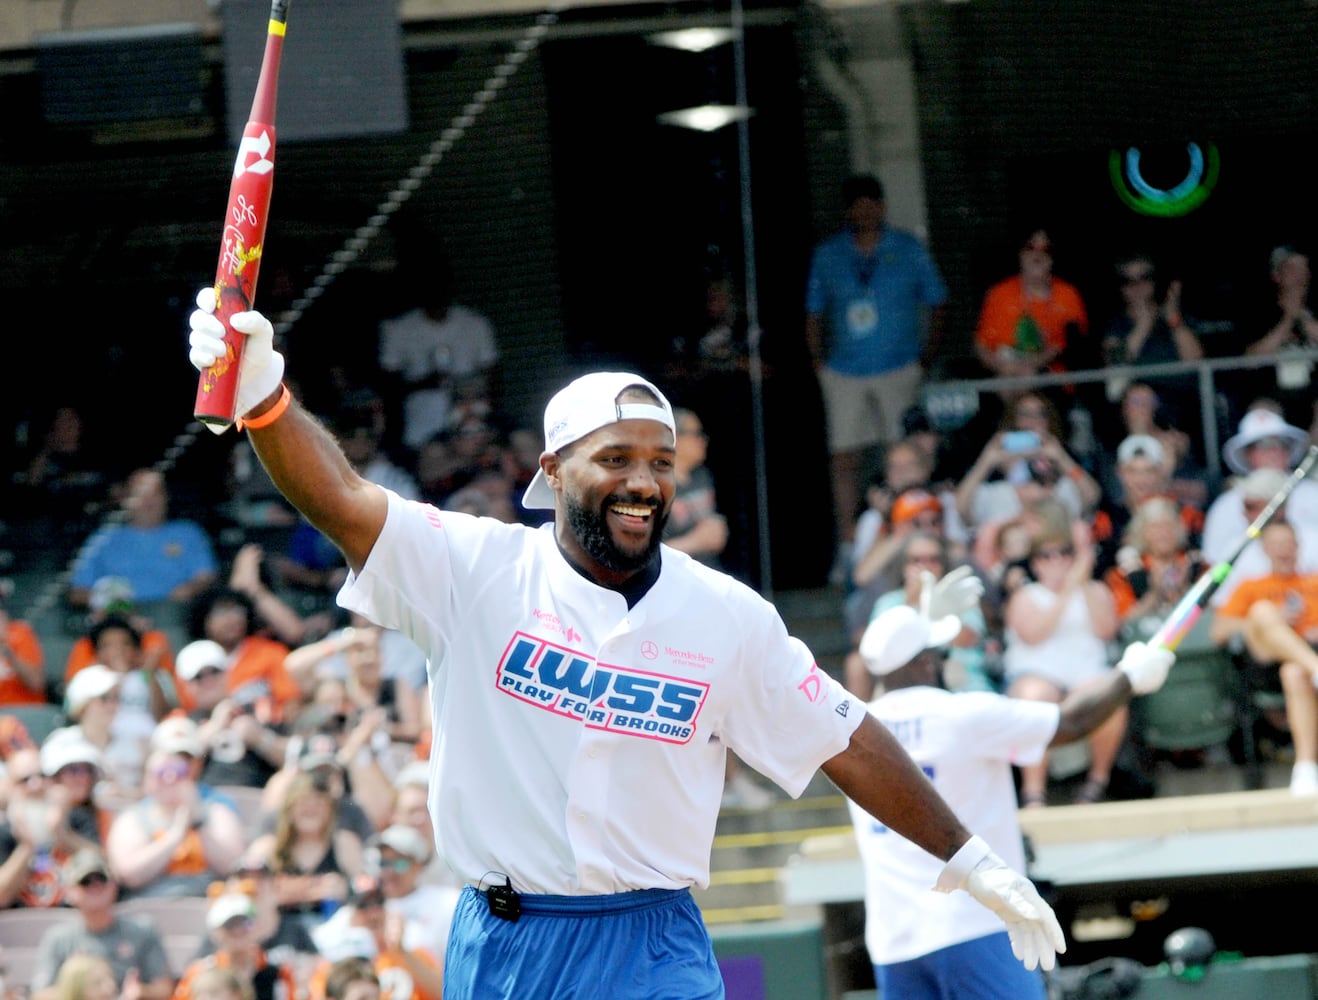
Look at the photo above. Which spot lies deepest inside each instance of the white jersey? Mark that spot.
(579, 746)
(965, 743)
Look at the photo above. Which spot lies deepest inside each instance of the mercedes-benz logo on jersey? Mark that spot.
(612, 697)
(650, 650)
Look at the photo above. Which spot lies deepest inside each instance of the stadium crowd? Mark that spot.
(244, 763)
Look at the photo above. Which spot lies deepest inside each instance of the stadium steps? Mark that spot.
(752, 845)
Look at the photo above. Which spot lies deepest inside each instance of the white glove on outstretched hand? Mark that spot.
(1036, 936)
(957, 592)
(263, 366)
(1146, 666)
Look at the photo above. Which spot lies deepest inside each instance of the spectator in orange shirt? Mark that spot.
(1276, 616)
(1154, 567)
(1029, 321)
(256, 674)
(22, 662)
(113, 595)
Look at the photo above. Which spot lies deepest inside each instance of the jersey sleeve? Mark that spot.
(790, 716)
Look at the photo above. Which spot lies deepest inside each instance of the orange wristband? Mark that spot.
(271, 415)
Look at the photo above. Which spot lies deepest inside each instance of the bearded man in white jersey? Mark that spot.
(586, 685)
(930, 946)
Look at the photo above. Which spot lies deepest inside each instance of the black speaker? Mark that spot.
(341, 73)
(121, 74)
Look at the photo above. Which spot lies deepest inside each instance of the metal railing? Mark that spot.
(1205, 371)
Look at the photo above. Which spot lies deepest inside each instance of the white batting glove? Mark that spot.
(957, 592)
(1146, 666)
(1036, 936)
(263, 366)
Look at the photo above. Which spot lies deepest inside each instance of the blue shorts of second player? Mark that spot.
(650, 944)
(982, 969)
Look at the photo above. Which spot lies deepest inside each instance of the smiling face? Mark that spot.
(614, 488)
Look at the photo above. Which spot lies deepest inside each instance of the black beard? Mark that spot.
(591, 529)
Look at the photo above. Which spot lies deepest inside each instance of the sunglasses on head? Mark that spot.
(395, 864)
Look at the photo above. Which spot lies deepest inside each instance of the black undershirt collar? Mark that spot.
(633, 588)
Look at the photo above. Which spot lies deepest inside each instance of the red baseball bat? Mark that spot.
(244, 230)
(1182, 617)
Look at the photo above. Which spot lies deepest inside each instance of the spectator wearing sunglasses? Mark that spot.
(1057, 631)
(238, 747)
(73, 767)
(282, 935)
(174, 842)
(400, 855)
(925, 552)
(231, 922)
(35, 836)
(131, 946)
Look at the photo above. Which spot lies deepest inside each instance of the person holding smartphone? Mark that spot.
(1022, 462)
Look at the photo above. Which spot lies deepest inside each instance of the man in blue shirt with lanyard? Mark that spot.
(866, 301)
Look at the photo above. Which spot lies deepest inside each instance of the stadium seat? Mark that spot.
(24, 926)
(40, 720)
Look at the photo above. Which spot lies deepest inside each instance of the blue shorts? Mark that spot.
(650, 944)
(982, 969)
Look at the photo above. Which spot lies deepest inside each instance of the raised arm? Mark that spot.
(301, 456)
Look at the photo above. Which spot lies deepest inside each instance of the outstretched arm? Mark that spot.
(302, 457)
(879, 776)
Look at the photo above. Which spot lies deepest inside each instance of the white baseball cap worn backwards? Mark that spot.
(900, 634)
(585, 405)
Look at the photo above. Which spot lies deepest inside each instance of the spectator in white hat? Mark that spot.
(241, 749)
(967, 744)
(1262, 453)
(35, 835)
(91, 703)
(73, 765)
(231, 922)
(400, 854)
(1143, 472)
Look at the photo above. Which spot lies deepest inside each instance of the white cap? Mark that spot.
(406, 841)
(1140, 444)
(177, 734)
(196, 656)
(1254, 427)
(67, 746)
(900, 634)
(228, 906)
(88, 683)
(585, 405)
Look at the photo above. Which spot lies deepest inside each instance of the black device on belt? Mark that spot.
(504, 901)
